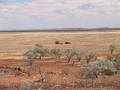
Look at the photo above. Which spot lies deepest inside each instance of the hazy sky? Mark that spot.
(38, 14)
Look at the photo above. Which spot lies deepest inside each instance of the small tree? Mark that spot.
(112, 48)
(78, 55)
(30, 56)
(90, 56)
(69, 53)
(57, 53)
(41, 51)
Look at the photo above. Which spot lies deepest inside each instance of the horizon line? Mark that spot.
(61, 29)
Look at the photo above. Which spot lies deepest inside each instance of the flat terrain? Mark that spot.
(14, 44)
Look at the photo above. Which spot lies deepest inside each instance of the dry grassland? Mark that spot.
(14, 44)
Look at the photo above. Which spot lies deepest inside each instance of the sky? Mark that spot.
(48, 14)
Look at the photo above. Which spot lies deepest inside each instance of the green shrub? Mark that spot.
(78, 55)
(57, 52)
(30, 55)
(94, 68)
(112, 48)
(115, 58)
(41, 51)
(69, 53)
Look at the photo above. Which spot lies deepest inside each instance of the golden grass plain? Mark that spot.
(14, 44)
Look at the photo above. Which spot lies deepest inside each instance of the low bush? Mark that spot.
(94, 68)
(70, 53)
(115, 58)
(104, 66)
(40, 51)
(57, 52)
(78, 55)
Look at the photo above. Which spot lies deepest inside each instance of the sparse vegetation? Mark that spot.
(57, 53)
(90, 56)
(79, 55)
(70, 53)
(30, 56)
(41, 51)
(115, 58)
(94, 68)
(98, 69)
(112, 48)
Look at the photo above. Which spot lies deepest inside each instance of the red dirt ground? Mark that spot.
(51, 70)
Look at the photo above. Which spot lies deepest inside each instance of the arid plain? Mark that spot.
(13, 45)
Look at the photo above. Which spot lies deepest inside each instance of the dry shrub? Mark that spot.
(94, 68)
